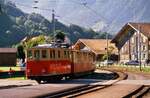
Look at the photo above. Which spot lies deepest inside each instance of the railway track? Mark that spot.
(128, 84)
(138, 93)
(85, 89)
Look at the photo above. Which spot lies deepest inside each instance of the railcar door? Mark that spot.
(72, 59)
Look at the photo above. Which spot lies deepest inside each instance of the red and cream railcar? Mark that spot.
(83, 62)
(45, 63)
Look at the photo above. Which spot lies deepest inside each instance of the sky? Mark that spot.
(106, 15)
(67, 11)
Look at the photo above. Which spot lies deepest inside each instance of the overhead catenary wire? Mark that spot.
(43, 9)
(85, 4)
(0, 9)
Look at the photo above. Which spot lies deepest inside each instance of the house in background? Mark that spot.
(98, 47)
(8, 56)
(133, 42)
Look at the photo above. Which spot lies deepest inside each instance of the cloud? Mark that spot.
(114, 13)
(99, 26)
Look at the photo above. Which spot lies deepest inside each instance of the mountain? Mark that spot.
(15, 25)
(111, 14)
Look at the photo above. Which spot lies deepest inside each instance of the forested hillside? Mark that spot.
(15, 25)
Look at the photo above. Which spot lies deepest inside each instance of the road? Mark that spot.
(121, 88)
(10, 89)
(117, 90)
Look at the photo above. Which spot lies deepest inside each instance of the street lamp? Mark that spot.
(107, 46)
(139, 47)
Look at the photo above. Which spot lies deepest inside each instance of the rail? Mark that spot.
(81, 90)
(138, 93)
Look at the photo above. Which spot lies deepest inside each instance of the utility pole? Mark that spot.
(1, 9)
(53, 22)
(139, 47)
(107, 46)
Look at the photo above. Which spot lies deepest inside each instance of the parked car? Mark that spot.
(107, 62)
(132, 62)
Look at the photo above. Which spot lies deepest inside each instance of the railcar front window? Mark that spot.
(29, 54)
(44, 54)
(37, 54)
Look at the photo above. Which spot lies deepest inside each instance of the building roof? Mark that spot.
(141, 27)
(8, 50)
(98, 46)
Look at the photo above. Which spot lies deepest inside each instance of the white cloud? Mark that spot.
(99, 26)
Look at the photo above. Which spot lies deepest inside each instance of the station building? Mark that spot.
(8, 56)
(98, 47)
(133, 42)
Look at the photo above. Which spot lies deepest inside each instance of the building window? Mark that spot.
(122, 50)
(144, 47)
(144, 56)
(125, 49)
(144, 39)
(132, 40)
(133, 57)
(133, 49)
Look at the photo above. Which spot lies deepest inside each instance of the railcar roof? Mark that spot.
(49, 46)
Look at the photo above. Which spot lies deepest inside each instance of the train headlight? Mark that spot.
(28, 71)
(43, 70)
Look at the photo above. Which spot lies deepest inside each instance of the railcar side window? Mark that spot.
(58, 54)
(69, 54)
(78, 57)
(53, 53)
(85, 56)
(90, 57)
(44, 54)
(66, 54)
(29, 54)
(37, 54)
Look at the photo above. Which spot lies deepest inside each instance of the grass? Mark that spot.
(15, 68)
(16, 75)
(17, 78)
(129, 68)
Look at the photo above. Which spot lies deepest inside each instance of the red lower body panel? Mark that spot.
(83, 67)
(48, 68)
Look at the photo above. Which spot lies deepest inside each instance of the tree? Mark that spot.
(60, 36)
(110, 50)
(0, 9)
(21, 53)
(35, 41)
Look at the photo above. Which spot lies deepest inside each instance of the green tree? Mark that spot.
(0, 9)
(60, 35)
(110, 50)
(20, 52)
(35, 41)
